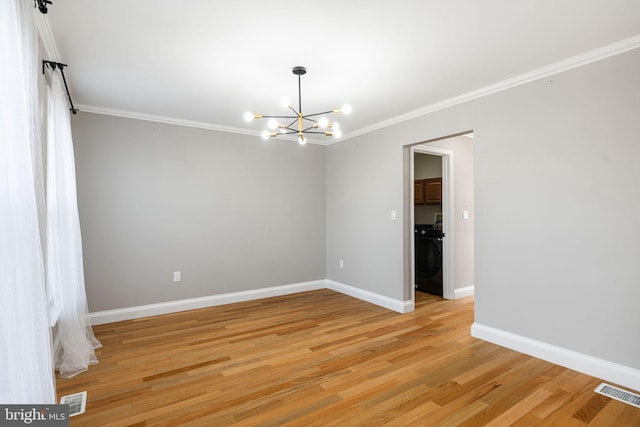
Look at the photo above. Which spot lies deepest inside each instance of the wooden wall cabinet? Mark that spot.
(418, 192)
(427, 191)
(433, 191)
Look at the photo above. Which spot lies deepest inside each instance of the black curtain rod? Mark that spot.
(42, 5)
(60, 66)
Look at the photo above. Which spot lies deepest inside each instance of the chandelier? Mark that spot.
(300, 123)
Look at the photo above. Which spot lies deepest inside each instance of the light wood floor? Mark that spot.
(325, 359)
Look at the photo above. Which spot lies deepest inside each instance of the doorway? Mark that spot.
(452, 215)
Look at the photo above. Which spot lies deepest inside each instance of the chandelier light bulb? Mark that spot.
(335, 126)
(323, 122)
(283, 129)
(337, 133)
(248, 116)
(272, 123)
(346, 108)
(285, 102)
(265, 134)
(302, 140)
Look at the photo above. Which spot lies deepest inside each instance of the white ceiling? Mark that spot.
(210, 61)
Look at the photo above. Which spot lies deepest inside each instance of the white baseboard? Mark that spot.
(467, 291)
(368, 296)
(129, 313)
(599, 368)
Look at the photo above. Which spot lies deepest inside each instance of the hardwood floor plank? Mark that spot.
(551, 404)
(592, 408)
(321, 358)
(463, 414)
(520, 409)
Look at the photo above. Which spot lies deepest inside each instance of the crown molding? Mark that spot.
(179, 122)
(163, 119)
(539, 73)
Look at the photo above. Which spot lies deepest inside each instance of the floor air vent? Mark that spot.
(77, 403)
(619, 394)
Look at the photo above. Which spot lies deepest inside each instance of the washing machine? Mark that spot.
(428, 259)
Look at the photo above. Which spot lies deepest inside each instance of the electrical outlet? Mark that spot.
(177, 276)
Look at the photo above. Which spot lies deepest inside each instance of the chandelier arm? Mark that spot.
(320, 133)
(294, 110)
(293, 122)
(316, 114)
(279, 117)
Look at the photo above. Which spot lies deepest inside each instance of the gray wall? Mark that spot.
(363, 186)
(230, 211)
(427, 166)
(556, 207)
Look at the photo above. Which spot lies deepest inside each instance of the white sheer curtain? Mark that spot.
(74, 342)
(26, 369)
